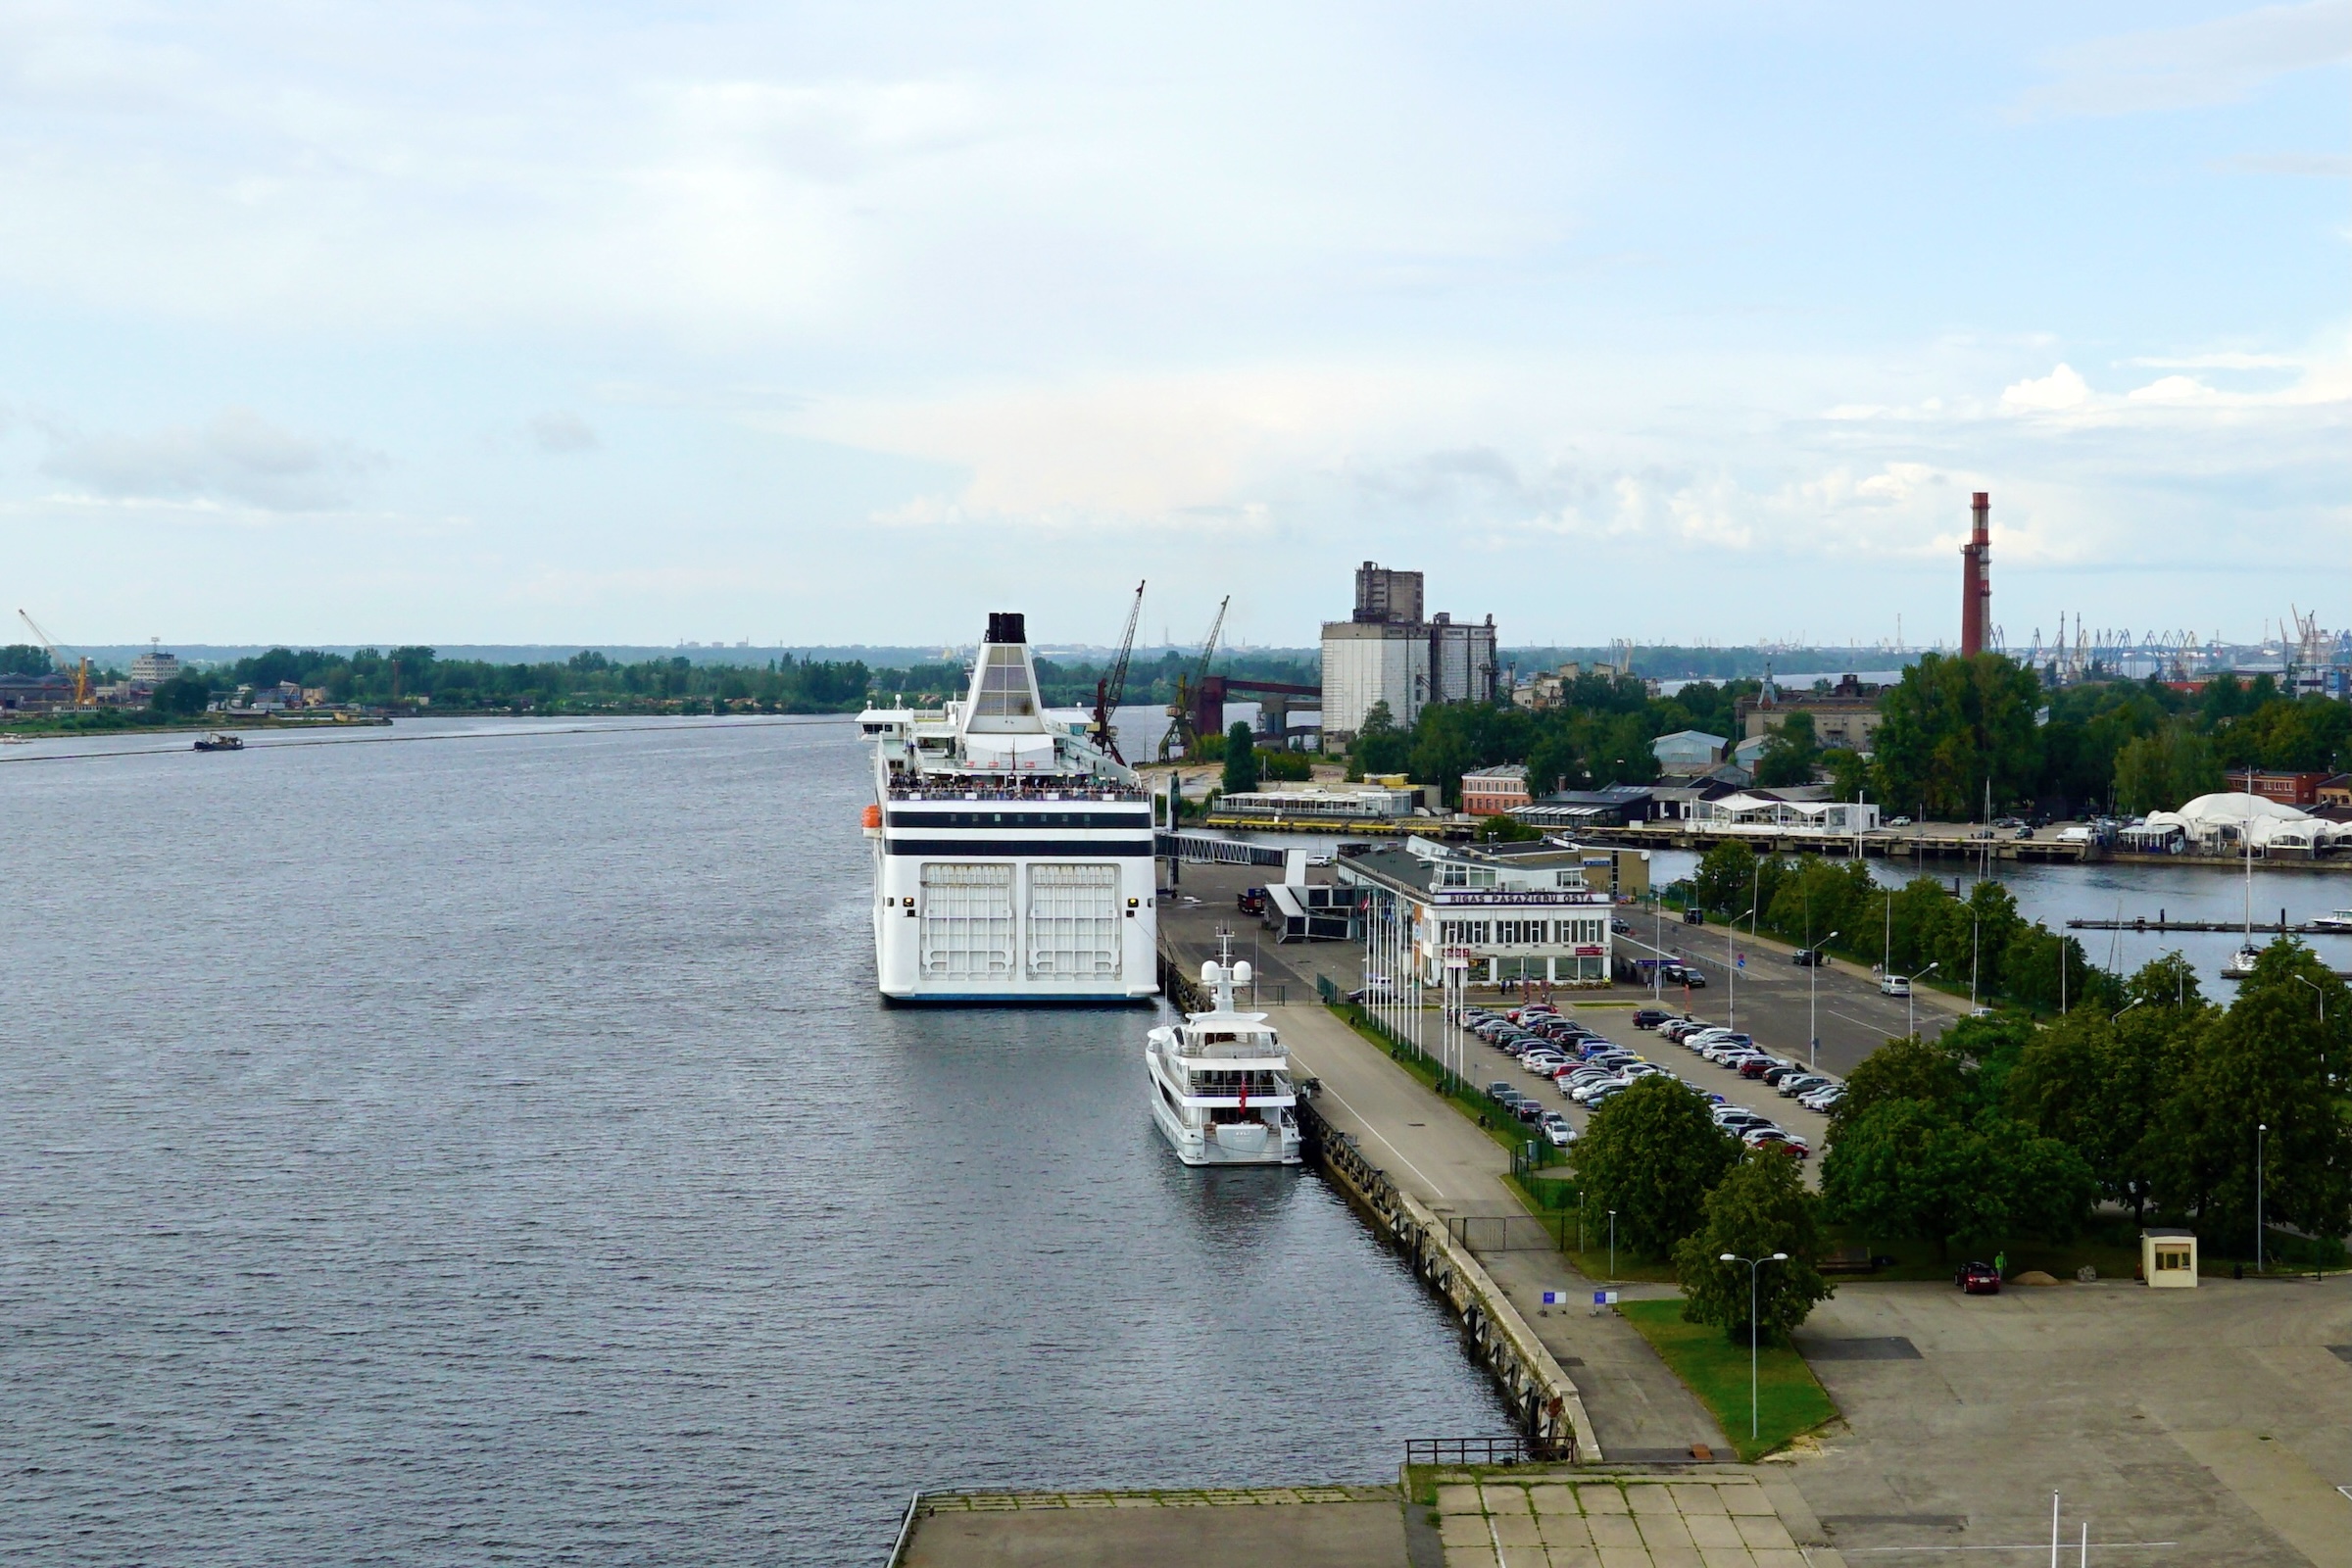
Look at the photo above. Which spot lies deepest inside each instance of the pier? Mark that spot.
(2163, 922)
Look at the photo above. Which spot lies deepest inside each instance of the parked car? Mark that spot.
(1979, 1279)
(1694, 917)
(1898, 821)
(1809, 958)
(1774, 1137)
(1501, 1088)
(1650, 1017)
(2024, 832)
(1894, 985)
(1624, 928)
(1693, 978)
(1526, 1109)
(1800, 1083)
(1556, 1130)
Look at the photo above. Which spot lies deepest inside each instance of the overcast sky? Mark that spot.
(613, 322)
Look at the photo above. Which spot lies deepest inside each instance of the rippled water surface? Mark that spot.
(490, 1148)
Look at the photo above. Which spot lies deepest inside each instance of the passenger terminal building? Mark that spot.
(1524, 912)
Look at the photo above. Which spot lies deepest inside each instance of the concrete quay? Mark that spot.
(2185, 1427)
(1527, 1516)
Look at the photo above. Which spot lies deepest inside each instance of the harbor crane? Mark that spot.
(1183, 729)
(1110, 688)
(78, 667)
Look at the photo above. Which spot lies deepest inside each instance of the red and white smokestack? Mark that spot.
(1976, 578)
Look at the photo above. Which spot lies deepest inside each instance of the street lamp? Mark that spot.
(1911, 996)
(2260, 1128)
(1731, 975)
(2317, 992)
(2125, 1007)
(1813, 1001)
(1612, 1244)
(1754, 1421)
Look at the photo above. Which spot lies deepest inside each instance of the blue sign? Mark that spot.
(1555, 1297)
(1743, 960)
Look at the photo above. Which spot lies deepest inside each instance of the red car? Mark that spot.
(1979, 1279)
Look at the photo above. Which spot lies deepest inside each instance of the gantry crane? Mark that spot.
(1182, 730)
(79, 668)
(1109, 689)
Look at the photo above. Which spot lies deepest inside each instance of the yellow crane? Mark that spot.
(78, 667)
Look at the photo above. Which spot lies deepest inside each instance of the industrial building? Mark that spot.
(1386, 651)
(1976, 579)
(1522, 911)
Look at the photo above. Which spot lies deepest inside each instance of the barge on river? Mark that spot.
(1012, 849)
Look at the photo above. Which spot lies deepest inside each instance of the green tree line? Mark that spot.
(586, 682)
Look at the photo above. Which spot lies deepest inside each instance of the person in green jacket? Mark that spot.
(2000, 1264)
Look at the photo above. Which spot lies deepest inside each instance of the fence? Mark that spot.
(1462, 1452)
(1512, 1233)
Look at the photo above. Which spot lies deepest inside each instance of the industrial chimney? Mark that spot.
(1976, 579)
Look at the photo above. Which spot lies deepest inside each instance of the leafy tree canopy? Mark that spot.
(1760, 1208)
(1651, 1154)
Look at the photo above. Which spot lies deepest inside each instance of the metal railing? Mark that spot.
(1511, 1233)
(897, 1550)
(1470, 1450)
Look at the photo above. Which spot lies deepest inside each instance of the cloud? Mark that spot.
(2061, 389)
(238, 457)
(560, 433)
(2216, 62)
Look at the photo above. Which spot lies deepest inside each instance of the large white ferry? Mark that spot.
(1221, 1082)
(1012, 852)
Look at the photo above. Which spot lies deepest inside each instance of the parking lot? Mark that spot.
(1614, 1022)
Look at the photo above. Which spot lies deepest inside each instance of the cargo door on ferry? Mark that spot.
(1074, 931)
(967, 922)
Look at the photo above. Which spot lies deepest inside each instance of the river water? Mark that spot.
(481, 1143)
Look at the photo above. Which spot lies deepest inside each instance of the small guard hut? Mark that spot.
(2167, 1258)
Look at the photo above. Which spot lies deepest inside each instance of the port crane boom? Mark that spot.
(1182, 729)
(1109, 689)
(78, 667)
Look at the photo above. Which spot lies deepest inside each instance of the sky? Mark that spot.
(607, 323)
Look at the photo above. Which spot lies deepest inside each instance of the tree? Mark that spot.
(1760, 1208)
(1849, 774)
(1380, 747)
(1955, 724)
(1908, 1168)
(2157, 772)
(1652, 1153)
(2266, 1063)
(25, 658)
(1241, 758)
(185, 694)
(2099, 1083)
(1789, 755)
(1725, 879)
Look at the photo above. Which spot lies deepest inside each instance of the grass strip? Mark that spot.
(1789, 1401)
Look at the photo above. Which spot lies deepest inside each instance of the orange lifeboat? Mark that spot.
(873, 818)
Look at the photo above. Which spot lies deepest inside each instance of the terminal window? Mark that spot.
(2168, 1257)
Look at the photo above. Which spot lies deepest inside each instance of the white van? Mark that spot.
(1894, 985)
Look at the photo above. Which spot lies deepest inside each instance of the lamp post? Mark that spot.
(1731, 974)
(1813, 1001)
(2125, 1007)
(1612, 1244)
(2317, 992)
(1754, 1421)
(1911, 996)
(2260, 1128)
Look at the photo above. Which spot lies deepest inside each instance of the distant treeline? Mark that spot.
(586, 682)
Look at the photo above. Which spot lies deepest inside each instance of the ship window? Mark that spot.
(1074, 930)
(968, 921)
(1004, 685)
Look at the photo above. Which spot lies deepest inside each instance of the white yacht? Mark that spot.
(1012, 850)
(2333, 921)
(1221, 1082)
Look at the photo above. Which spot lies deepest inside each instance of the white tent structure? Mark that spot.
(2212, 823)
